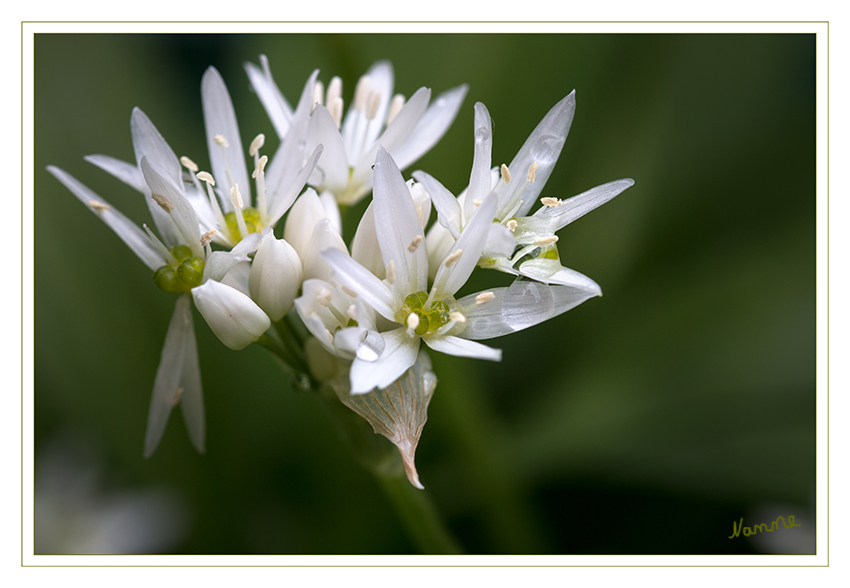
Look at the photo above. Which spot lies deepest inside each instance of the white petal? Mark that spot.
(234, 318)
(542, 146)
(276, 106)
(569, 277)
(134, 237)
(287, 189)
(471, 243)
(431, 126)
(522, 305)
(381, 80)
(364, 247)
(302, 219)
(238, 277)
(331, 172)
(148, 142)
(438, 243)
(275, 277)
(449, 213)
(395, 134)
(183, 215)
(399, 354)
(177, 380)
(220, 119)
(463, 348)
(357, 278)
(500, 242)
(479, 178)
(397, 226)
(324, 238)
(126, 172)
(331, 210)
(577, 206)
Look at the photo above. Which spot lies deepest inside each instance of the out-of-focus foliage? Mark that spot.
(645, 421)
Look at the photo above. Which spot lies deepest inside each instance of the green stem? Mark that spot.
(419, 515)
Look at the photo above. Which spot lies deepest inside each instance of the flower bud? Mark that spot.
(324, 237)
(303, 217)
(232, 316)
(275, 276)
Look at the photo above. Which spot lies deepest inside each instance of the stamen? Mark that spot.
(207, 237)
(98, 205)
(163, 250)
(261, 167)
(414, 245)
(506, 174)
(546, 240)
(220, 140)
(318, 93)
(476, 202)
(511, 224)
(373, 102)
(207, 177)
(551, 202)
(334, 90)
(484, 298)
(395, 107)
(412, 321)
(163, 202)
(452, 259)
(236, 197)
(336, 111)
(361, 93)
(391, 272)
(349, 291)
(177, 394)
(352, 312)
(258, 142)
(532, 172)
(189, 164)
(324, 298)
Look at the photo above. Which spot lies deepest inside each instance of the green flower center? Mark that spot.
(252, 222)
(428, 320)
(181, 276)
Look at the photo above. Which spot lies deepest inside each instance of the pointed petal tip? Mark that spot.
(407, 451)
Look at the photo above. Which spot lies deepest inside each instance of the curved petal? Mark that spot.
(381, 80)
(364, 247)
(284, 193)
(148, 142)
(398, 227)
(134, 237)
(577, 206)
(458, 347)
(126, 172)
(178, 379)
(449, 213)
(332, 170)
(220, 119)
(324, 238)
(182, 214)
(276, 106)
(479, 178)
(400, 351)
(431, 126)
(370, 289)
(234, 318)
(522, 305)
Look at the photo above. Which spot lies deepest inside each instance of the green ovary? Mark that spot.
(430, 319)
(181, 276)
(252, 222)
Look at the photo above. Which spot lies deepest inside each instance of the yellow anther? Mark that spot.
(511, 224)
(324, 298)
(412, 321)
(258, 142)
(458, 317)
(476, 202)
(98, 205)
(484, 298)
(207, 177)
(236, 197)
(352, 312)
(391, 272)
(506, 174)
(551, 202)
(207, 237)
(221, 141)
(452, 259)
(532, 172)
(395, 107)
(189, 164)
(163, 202)
(261, 166)
(546, 240)
(349, 291)
(414, 245)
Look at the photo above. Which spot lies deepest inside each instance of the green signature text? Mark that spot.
(738, 528)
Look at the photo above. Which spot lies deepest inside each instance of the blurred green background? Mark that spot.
(645, 421)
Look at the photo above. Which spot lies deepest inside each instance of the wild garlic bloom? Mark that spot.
(182, 262)
(406, 128)
(533, 252)
(223, 199)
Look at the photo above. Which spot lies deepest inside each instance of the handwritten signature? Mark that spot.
(737, 528)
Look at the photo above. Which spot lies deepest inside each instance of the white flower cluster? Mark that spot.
(361, 310)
